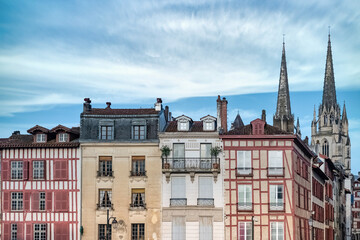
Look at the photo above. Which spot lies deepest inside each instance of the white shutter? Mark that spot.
(205, 150)
(275, 159)
(178, 228)
(178, 187)
(205, 228)
(244, 159)
(179, 150)
(205, 187)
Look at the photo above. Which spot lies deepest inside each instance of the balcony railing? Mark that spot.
(275, 171)
(104, 206)
(175, 202)
(105, 173)
(276, 206)
(205, 202)
(191, 164)
(134, 173)
(244, 171)
(137, 206)
(245, 206)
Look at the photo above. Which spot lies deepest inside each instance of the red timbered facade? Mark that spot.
(267, 183)
(40, 188)
(356, 209)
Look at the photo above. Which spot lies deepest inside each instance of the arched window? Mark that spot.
(325, 148)
(325, 120)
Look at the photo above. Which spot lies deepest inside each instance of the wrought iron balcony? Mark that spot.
(108, 205)
(134, 173)
(205, 202)
(275, 171)
(245, 206)
(176, 202)
(191, 164)
(243, 171)
(137, 206)
(277, 206)
(105, 173)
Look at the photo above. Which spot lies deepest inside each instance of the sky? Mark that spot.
(55, 53)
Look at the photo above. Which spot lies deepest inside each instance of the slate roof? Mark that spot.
(247, 130)
(110, 111)
(196, 126)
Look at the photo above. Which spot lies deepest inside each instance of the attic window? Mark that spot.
(209, 126)
(182, 126)
(63, 137)
(40, 137)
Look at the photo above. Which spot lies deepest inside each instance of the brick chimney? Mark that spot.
(158, 104)
(87, 105)
(224, 103)
(218, 108)
(108, 104)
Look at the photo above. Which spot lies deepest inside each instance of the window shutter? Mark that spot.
(205, 187)
(178, 187)
(27, 201)
(6, 203)
(57, 201)
(65, 204)
(35, 201)
(63, 174)
(61, 231)
(6, 231)
(5, 170)
(275, 159)
(28, 231)
(56, 170)
(20, 231)
(44, 170)
(25, 170)
(48, 201)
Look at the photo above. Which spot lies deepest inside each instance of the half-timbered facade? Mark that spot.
(40, 188)
(192, 180)
(356, 210)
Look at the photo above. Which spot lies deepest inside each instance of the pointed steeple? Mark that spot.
(329, 92)
(314, 119)
(283, 118)
(238, 122)
(344, 115)
(298, 131)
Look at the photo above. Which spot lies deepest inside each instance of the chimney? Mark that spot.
(224, 103)
(87, 105)
(158, 104)
(218, 108)
(166, 113)
(16, 133)
(108, 104)
(263, 115)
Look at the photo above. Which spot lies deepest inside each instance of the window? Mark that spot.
(205, 192)
(178, 228)
(276, 197)
(178, 191)
(60, 169)
(209, 126)
(14, 229)
(245, 231)
(61, 201)
(138, 166)
(16, 201)
(105, 166)
(325, 148)
(277, 231)
(183, 126)
(275, 163)
(103, 231)
(106, 132)
(205, 150)
(138, 231)
(38, 169)
(179, 155)
(138, 132)
(63, 137)
(244, 163)
(205, 228)
(138, 198)
(16, 170)
(39, 231)
(105, 198)
(42, 201)
(40, 137)
(245, 197)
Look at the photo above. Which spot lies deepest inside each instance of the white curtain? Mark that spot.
(275, 159)
(178, 187)
(244, 159)
(205, 150)
(178, 228)
(205, 228)
(205, 187)
(179, 150)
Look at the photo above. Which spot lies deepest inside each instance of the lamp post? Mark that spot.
(108, 225)
(253, 219)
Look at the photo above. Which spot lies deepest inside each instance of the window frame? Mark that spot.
(108, 200)
(138, 198)
(246, 227)
(244, 170)
(41, 231)
(105, 229)
(18, 170)
(63, 137)
(139, 230)
(138, 165)
(13, 231)
(42, 201)
(18, 201)
(139, 132)
(273, 169)
(40, 137)
(277, 228)
(105, 166)
(108, 130)
(37, 170)
(276, 204)
(245, 205)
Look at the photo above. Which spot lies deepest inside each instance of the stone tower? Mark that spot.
(330, 129)
(283, 119)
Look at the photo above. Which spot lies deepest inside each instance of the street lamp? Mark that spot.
(108, 224)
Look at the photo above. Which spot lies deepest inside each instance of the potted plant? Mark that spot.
(165, 152)
(214, 151)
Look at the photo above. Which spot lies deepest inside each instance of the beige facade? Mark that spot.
(122, 185)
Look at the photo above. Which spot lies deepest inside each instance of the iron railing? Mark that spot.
(191, 164)
(245, 206)
(174, 202)
(275, 171)
(276, 206)
(105, 173)
(244, 171)
(134, 173)
(137, 206)
(104, 206)
(205, 202)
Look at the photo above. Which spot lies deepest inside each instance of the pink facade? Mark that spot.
(40, 187)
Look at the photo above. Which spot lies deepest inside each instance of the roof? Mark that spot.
(110, 111)
(25, 140)
(247, 130)
(38, 128)
(196, 126)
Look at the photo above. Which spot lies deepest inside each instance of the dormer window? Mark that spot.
(63, 137)
(183, 123)
(183, 126)
(209, 126)
(40, 137)
(208, 123)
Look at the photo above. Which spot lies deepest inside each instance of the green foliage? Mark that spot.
(214, 151)
(165, 151)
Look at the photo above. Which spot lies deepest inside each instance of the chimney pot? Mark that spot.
(87, 100)
(87, 105)
(159, 100)
(108, 104)
(16, 133)
(263, 115)
(158, 104)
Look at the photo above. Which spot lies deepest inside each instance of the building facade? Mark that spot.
(121, 171)
(192, 180)
(356, 209)
(40, 188)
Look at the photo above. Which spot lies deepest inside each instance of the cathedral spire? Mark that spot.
(329, 92)
(344, 115)
(298, 131)
(283, 118)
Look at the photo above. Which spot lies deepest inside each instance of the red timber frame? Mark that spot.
(61, 216)
(296, 213)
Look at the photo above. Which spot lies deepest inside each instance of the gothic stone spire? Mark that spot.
(283, 118)
(329, 92)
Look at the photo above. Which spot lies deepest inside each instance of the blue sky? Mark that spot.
(55, 53)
